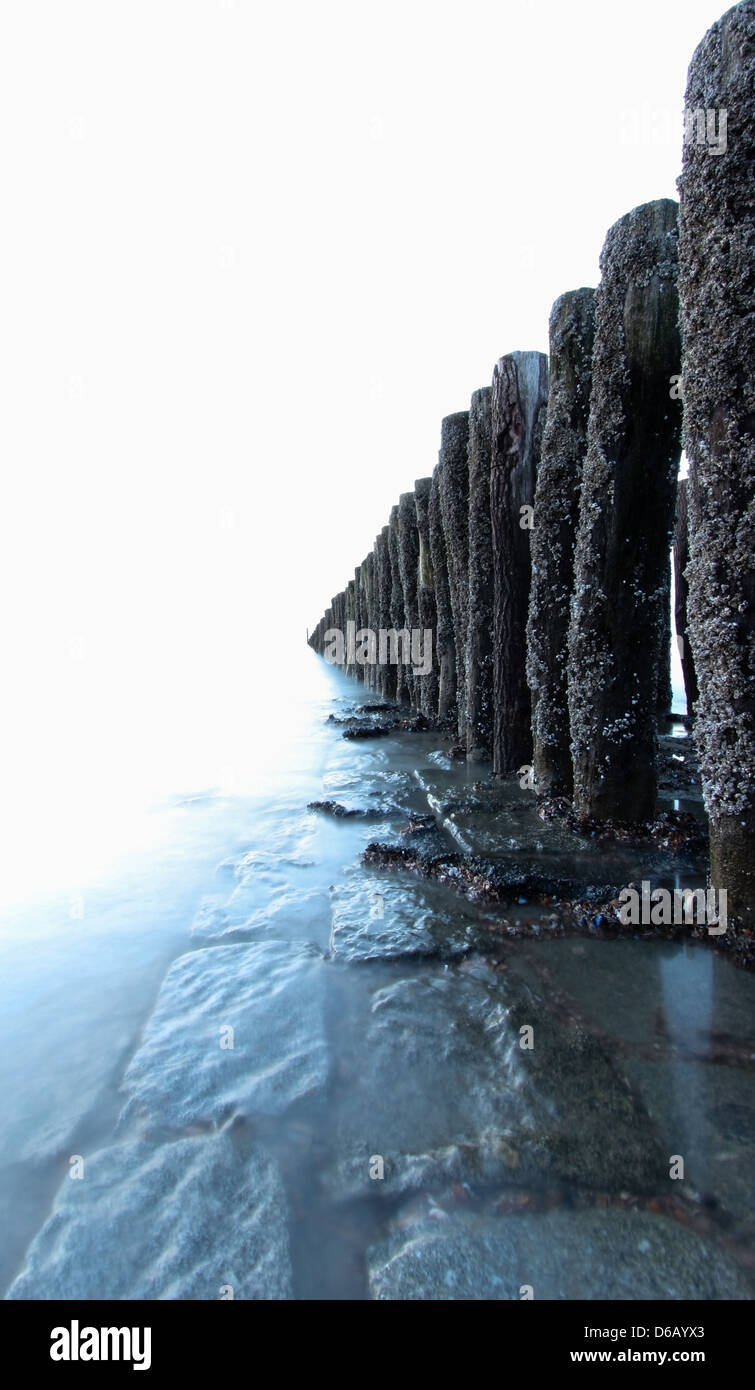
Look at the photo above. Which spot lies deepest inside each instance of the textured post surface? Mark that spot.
(351, 666)
(519, 399)
(370, 584)
(428, 684)
(401, 685)
(681, 558)
(445, 645)
(453, 479)
(626, 519)
(479, 656)
(664, 693)
(386, 672)
(408, 559)
(359, 672)
(559, 480)
(717, 253)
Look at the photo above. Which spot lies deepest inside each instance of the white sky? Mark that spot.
(251, 255)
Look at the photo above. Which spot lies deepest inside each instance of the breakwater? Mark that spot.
(536, 556)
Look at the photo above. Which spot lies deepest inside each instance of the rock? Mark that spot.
(446, 1093)
(213, 919)
(375, 919)
(288, 914)
(391, 793)
(337, 811)
(591, 1255)
(166, 1221)
(270, 994)
(366, 731)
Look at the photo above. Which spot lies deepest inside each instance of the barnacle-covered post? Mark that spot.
(664, 693)
(681, 558)
(351, 667)
(428, 684)
(401, 684)
(626, 519)
(357, 602)
(386, 672)
(520, 395)
(370, 585)
(453, 479)
(445, 644)
(479, 653)
(408, 559)
(717, 254)
(559, 479)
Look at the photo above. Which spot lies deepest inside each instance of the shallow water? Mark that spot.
(287, 1075)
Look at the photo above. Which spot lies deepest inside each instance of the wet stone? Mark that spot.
(185, 1219)
(447, 1093)
(717, 1142)
(594, 1255)
(212, 919)
(270, 995)
(373, 919)
(288, 914)
(338, 811)
(365, 731)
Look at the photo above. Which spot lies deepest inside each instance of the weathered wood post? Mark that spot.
(479, 655)
(552, 541)
(408, 559)
(445, 645)
(626, 519)
(386, 672)
(351, 667)
(428, 684)
(397, 603)
(520, 395)
(664, 694)
(358, 600)
(717, 253)
(681, 558)
(453, 478)
(370, 585)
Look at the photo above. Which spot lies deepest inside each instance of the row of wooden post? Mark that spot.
(537, 554)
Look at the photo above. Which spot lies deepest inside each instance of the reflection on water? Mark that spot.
(311, 1072)
(688, 1012)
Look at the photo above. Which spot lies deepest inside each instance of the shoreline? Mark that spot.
(674, 843)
